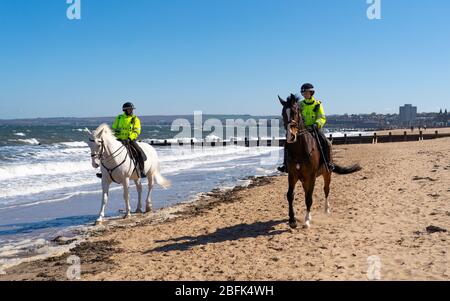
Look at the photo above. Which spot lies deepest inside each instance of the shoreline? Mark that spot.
(396, 209)
(82, 246)
(47, 214)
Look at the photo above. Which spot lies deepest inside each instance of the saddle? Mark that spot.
(136, 154)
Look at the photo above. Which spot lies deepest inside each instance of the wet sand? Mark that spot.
(396, 211)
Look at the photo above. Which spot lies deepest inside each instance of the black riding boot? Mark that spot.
(283, 168)
(141, 157)
(326, 150)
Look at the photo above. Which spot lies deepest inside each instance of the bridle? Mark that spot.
(299, 131)
(99, 155)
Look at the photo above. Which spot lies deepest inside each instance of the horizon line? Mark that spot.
(166, 115)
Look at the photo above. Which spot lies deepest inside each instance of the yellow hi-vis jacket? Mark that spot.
(127, 127)
(313, 113)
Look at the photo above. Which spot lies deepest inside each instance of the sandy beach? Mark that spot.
(396, 210)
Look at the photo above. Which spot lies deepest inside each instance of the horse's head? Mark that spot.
(291, 117)
(96, 143)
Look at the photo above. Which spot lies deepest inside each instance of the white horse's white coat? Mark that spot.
(109, 153)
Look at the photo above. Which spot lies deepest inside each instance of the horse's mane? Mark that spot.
(292, 99)
(102, 129)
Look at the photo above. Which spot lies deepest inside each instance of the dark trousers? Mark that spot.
(325, 143)
(138, 153)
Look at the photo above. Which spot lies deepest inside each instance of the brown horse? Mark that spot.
(304, 160)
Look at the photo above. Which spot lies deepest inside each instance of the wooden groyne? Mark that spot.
(360, 139)
(387, 138)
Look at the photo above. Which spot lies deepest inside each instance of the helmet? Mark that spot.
(128, 105)
(307, 87)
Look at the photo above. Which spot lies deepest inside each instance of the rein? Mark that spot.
(108, 159)
(300, 132)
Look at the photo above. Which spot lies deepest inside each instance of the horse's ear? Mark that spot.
(283, 103)
(292, 99)
(99, 134)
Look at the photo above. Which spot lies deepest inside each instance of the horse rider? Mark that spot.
(127, 128)
(314, 118)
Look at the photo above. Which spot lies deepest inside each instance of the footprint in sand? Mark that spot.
(433, 229)
(417, 178)
(434, 195)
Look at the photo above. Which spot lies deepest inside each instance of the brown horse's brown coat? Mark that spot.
(304, 160)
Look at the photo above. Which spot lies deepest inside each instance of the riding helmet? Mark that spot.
(128, 105)
(307, 87)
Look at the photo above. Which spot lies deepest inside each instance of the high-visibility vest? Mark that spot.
(127, 127)
(313, 113)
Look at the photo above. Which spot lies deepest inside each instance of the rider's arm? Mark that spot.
(321, 119)
(115, 125)
(136, 129)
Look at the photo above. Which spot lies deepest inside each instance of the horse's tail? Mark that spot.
(165, 183)
(346, 170)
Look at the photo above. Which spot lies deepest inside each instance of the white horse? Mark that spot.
(117, 166)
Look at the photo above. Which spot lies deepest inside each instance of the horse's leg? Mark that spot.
(326, 189)
(290, 196)
(308, 186)
(139, 191)
(148, 201)
(105, 189)
(126, 197)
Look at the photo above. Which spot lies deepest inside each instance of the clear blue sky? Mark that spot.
(220, 56)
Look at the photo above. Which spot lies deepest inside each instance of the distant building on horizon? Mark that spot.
(443, 118)
(408, 114)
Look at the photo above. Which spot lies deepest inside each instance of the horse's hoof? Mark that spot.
(138, 211)
(148, 210)
(293, 225)
(307, 225)
(98, 223)
(328, 211)
(127, 216)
